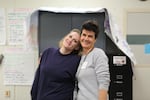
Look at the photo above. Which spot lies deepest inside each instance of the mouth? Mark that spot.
(85, 42)
(68, 42)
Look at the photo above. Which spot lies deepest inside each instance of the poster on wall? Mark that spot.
(2, 27)
(18, 67)
(16, 24)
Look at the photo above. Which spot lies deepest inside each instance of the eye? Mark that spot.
(70, 36)
(91, 36)
(75, 40)
(83, 34)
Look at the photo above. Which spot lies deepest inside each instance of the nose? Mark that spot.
(71, 40)
(86, 38)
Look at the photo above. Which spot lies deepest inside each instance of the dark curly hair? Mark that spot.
(91, 25)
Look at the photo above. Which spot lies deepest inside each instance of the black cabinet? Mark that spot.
(120, 73)
(121, 78)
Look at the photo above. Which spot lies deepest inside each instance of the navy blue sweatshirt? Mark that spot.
(55, 76)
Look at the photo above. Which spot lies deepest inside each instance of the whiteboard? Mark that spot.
(138, 24)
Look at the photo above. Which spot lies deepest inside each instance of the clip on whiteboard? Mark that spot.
(1, 58)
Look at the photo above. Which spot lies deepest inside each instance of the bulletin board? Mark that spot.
(138, 35)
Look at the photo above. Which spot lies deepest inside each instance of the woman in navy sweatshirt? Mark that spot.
(55, 76)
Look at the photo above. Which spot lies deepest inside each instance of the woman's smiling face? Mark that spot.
(71, 41)
(87, 39)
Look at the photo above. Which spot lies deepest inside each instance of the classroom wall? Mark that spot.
(118, 10)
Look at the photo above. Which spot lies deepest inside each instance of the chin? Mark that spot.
(85, 47)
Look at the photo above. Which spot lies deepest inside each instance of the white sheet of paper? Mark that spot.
(84, 65)
(18, 68)
(2, 27)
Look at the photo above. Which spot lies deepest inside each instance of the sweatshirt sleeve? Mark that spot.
(34, 88)
(102, 70)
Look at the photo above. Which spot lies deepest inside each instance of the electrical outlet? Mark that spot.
(7, 93)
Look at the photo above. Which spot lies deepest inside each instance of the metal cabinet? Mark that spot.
(121, 77)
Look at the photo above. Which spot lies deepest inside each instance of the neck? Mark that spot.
(87, 51)
(64, 51)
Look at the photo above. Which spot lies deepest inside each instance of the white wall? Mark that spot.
(118, 9)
